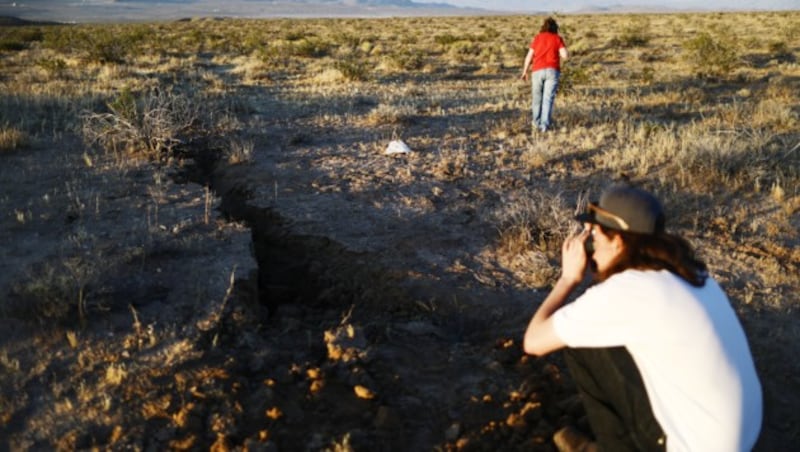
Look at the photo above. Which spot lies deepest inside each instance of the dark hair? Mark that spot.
(549, 25)
(661, 251)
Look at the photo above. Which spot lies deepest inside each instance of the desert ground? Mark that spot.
(206, 245)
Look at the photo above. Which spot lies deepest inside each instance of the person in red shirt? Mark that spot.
(543, 60)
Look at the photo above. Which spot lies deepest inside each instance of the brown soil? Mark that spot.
(357, 319)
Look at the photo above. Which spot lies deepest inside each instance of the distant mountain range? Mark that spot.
(403, 3)
(126, 10)
(84, 11)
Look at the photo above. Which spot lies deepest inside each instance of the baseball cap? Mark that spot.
(626, 208)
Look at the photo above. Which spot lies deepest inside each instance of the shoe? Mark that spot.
(569, 439)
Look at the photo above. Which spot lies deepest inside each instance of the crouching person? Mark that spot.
(657, 352)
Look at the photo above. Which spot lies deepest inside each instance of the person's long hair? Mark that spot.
(661, 251)
(549, 25)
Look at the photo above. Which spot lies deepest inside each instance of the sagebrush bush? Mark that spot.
(352, 69)
(14, 39)
(637, 34)
(310, 48)
(97, 44)
(152, 125)
(410, 60)
(572, 76)
(711, 55)
(446, 39)
(11, 45)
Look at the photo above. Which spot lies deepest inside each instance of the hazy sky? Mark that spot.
(573, 5)
(106, 10)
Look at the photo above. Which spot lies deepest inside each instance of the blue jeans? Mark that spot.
(545, 84)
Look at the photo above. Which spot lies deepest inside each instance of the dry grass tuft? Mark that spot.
(532, 226)
(12, 138)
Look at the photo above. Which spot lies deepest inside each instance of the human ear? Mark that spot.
(617, 243)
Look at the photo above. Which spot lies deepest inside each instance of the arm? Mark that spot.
(540, 337)
(527, 65)
(563, 53)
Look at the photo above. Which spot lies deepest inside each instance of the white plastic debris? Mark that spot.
(397, 147)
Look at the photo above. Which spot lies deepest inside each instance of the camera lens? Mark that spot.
(588, 246)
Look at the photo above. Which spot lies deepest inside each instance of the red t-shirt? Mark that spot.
(545, 47)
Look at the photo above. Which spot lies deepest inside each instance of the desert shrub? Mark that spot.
(352, 69)
(489, 33)
(778, 47)
(410, 60)
(108, 47)
(464, 48)
(43, 297)
(11, 45)
(29, 34)
(445, 40)
(711, 55)
(14, 39)
(252, 42)
(646, 75)
(534, 220)
(96, 44)
(124, 105)
(573, 76)
(636, 34)
(310, 48)
(294, 35)
(780, 50)
(531, 227)
(53, 66)
(348, 39)
(54, 292)
(152, 126)
(390, 114)
(58, 38)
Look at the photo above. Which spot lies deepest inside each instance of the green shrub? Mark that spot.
(124, 105)
(348, 39)
(352, 69)
(446, 39)
(59, 39)
(310, 48)
(30, 34)
(710, 55)
(97, 44)
(11, 45)
(572, 76)
(410, 60)
(636, 34)
(15, 39)
(295, 35)
(104, 46)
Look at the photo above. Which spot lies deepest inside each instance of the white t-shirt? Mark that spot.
(689, 347)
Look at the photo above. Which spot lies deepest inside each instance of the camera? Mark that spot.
(588, 246)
